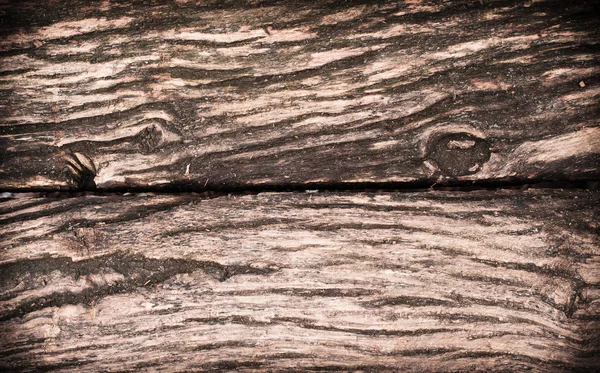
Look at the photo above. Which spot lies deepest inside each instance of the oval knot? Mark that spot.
(457, 154)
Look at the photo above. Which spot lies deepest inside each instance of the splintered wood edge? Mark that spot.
(486, 280)
(240, 94)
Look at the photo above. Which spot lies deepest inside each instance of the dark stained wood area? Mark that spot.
(245, 94)
(432, 282)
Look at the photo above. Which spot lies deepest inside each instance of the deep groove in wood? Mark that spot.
(201, 191)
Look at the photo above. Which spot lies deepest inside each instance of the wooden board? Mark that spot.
(436, 282)
(246, 94)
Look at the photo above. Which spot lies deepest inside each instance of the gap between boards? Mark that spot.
(306, 188)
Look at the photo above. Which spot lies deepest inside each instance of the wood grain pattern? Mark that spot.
(436, 282)
(240, 94)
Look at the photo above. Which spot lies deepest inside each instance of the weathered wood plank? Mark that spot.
(225, 94)
(500, 280)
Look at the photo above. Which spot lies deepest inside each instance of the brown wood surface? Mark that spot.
(433, 281)
(241, 94)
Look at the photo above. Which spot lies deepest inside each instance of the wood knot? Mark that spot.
(148, 139)
(457, 154)
(154, 136)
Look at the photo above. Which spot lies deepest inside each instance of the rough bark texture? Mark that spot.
(225, 95)
(439, 281)
(238, 94)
